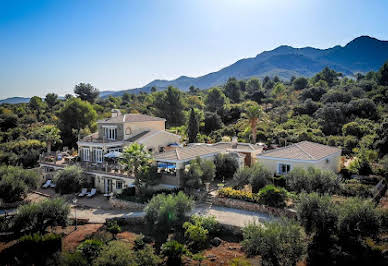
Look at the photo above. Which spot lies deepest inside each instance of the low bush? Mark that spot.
(269, 195)
(209, 223)
(147, 257)
(174, 251)
(229, 192)
(139, 242)
(356, 189)
(28, 250)
(116, 253)
(73, 259)
(70, 180)
(37, 217)
(278, 242)
(113, 228)
(128, 195)
(15, 182)
(196, 236)
(256, 175)
(273, 196)
(312, 180)
(90, 249)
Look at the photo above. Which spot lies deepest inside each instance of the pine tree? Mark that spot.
(193, 127)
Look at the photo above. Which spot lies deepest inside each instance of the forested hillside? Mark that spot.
(326, 108)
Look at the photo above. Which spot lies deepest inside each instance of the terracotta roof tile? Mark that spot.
(304, 150)
(131, 118)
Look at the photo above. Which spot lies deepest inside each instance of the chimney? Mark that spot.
(234, 142)
(116, 113)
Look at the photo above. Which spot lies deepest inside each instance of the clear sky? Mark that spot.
(49, 46)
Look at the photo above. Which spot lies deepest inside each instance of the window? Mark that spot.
(110, 133)
(161, 149)
(115, 149)
(98, 155)
(150, 150)
(119, 185)
(284, 168)
(86, 154)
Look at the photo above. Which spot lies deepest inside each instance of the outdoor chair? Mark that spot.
(92, 193)
(84, 192)
(47, 184)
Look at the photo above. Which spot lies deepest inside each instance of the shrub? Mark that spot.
(273, 196)
(356, 189)
(196, 235)
(90, 249)
(73, 259)
(240, 262)
(116, 253)
(69, 180)
(312, 180)
(198, 172)
(358, 218)
(317, 213)
(113, 228)
(147, 257)
(226, 166)
(209, 223)
(256, 175)
(229, 192)
(174, 251)
(278, 242)
(260, 177)
(36, 217)
(28, 250)
(15, 182)
(139, 242)
(166, 212)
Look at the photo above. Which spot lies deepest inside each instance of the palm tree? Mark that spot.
(135, 158)
(49, 134)
(253, 113)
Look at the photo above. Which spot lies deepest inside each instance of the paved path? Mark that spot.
(223, 215)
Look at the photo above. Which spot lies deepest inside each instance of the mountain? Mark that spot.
(15, 100)
(362, 54)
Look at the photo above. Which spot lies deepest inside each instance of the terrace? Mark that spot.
(63, 159)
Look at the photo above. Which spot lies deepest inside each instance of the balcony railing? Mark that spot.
(104, 168)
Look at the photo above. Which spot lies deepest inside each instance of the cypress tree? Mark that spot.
(193, 127)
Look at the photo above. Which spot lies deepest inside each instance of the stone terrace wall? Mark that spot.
(126, 205)
(254, 207)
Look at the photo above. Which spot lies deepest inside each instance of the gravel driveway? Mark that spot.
(224, 215)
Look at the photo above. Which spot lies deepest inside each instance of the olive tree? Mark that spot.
(279, 242)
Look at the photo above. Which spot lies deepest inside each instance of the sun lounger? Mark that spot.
(91, 193)
(47, 184)
(84, 192)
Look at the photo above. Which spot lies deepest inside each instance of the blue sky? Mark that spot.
(49, 46)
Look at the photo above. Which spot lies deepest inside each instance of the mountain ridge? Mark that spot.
(361, 54)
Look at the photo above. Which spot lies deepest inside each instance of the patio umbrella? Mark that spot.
(113, 155)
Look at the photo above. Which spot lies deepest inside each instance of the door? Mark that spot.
(108, 185)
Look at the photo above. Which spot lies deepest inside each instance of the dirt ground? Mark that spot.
(75, 237)
(222, 255)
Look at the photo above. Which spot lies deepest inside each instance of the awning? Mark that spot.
(166, 165)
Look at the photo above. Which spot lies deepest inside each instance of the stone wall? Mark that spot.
(254, 207)
(126, 205)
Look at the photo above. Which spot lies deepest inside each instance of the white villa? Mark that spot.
(113, 135)
(303, 154)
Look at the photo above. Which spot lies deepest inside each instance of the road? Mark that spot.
(224, 215)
